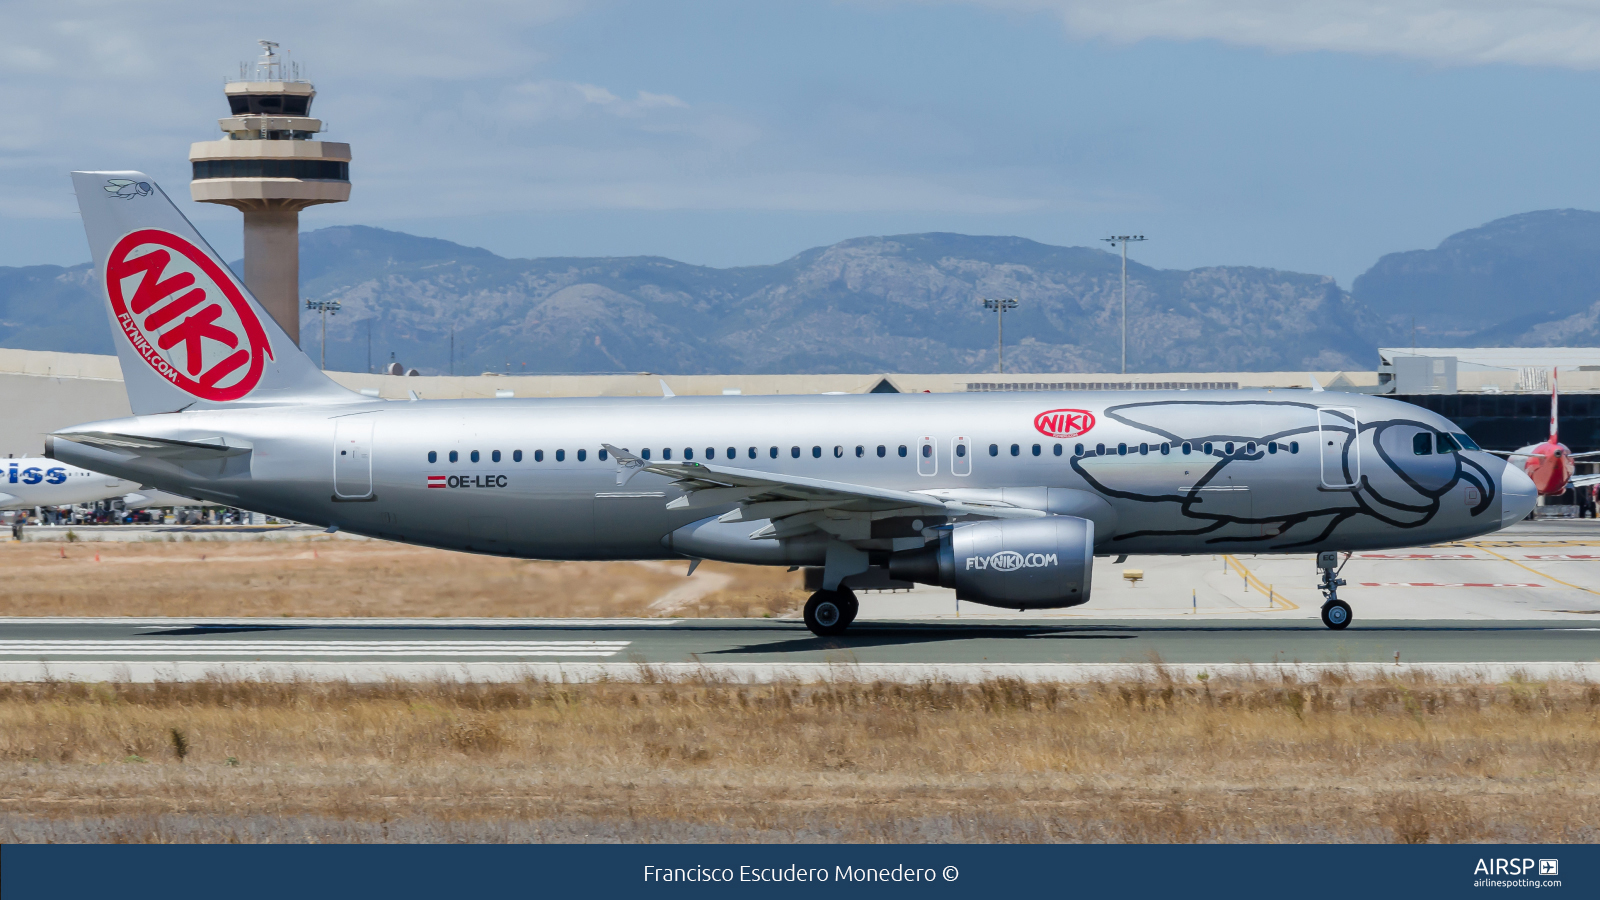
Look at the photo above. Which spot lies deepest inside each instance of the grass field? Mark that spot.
(1335, 760)
(329, 577)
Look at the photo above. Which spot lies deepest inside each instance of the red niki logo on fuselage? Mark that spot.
(185, 316)
(1064, 423)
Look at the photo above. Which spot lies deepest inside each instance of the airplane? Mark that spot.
(1551, 464)
(1007, 499)
(27, 482)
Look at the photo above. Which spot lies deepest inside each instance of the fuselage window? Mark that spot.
(688, 453)
(733, 453)
(816, 452)
(838, 451)
(474, 456)
(1016, 450)
(454, 456)
(1077, 449)
(666, 453)
(433, 456)
(1058, 449)
(1272, 446)
(561, 456)
(794, 452)
(1122, 449)
(583, 455)
(1099, 449)
(1144, 449)
(753, 452)
(1294, 446)
(773, 453)
(994, 449)
(1228, 448)
(1447, 444)
(601, 455)
(495, 456)
(1166, 448)
(961, 451)
(902, 451)
(1250, 447)
(927, 451)
(516, 455)
(1186, 448)
(643, 454)
(860, 451)
(538, 455)
(1207, 448)
(1037, 449)
(882, 451)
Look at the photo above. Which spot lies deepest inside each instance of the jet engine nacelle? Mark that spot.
(1012, 563)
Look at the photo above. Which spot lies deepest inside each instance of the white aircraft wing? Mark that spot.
(1579, 481)
(796, 504)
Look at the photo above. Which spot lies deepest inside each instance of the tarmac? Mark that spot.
(1523, 603)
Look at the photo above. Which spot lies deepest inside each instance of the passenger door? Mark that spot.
(1339, 446)
(352, 458)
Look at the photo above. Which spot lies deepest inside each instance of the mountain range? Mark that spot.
(908, 303)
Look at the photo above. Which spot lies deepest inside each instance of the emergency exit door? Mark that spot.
(352, 458)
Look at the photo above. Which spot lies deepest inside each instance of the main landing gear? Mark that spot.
(1335, 612)
(829, 613)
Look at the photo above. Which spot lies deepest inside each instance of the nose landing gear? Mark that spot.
(1335, 612)
(829, 613)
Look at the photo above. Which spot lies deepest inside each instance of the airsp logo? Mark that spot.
(1011, 561)
(185, 316)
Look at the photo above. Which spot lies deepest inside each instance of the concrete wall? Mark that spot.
(42, 392)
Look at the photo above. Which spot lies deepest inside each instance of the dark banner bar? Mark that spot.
(310, 872)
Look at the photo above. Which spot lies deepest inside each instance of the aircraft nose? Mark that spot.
(1518, 496)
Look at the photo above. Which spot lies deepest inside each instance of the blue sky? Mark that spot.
(1297, 135)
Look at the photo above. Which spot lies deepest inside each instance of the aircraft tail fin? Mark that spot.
(1555, 399)
(188, 332)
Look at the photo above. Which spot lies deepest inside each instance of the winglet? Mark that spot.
(665, 391)
(1315, 384)
(628, 465)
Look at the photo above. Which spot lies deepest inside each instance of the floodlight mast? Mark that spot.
(1123, 239)
(1000, 307)
(332, 306)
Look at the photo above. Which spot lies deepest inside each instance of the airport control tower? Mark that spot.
(270, 167)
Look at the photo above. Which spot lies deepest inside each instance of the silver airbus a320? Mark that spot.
(1005, 498)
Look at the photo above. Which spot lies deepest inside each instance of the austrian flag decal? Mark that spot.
(437, 481)
(185, 316)
(1064, 423)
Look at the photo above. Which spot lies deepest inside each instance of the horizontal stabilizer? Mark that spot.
(154, 448)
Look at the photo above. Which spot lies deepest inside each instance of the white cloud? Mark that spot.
(1555, 33)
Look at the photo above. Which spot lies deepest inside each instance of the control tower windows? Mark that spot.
(321, 169)
(269, 104)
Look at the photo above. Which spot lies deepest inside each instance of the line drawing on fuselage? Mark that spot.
(1350, 444)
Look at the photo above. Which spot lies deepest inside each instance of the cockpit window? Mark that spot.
(1447, 444)
(1466, 443)
(1422, 443)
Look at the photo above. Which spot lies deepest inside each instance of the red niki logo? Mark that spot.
(1064, 423)
(185, 316)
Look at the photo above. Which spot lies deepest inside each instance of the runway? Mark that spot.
(757, 649)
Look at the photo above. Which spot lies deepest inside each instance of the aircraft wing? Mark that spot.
(1579, 481)
(157, 448)
(796, 504)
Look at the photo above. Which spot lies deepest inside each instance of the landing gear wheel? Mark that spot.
(828, 613)
(852, 606)
(1336, 614)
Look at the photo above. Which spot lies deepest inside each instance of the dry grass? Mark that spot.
(364, 578)
(1002, 761)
